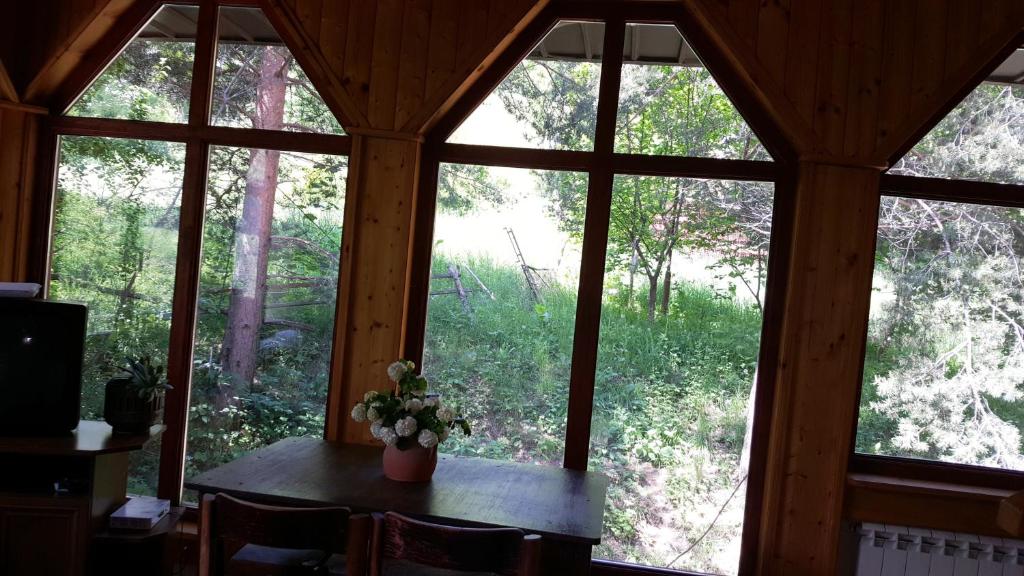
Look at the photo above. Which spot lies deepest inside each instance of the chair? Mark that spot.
(239, 538)
(403, 546)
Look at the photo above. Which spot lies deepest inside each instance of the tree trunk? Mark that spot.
(748, 435)
(252, 232)
(666, 290)
(652, 296)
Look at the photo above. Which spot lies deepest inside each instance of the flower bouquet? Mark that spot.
(410, 421)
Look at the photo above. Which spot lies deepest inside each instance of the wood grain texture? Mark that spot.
(867, 76)
(821, 347)
(560, 504)
(398, 61)
(375, 276)
(17, 152)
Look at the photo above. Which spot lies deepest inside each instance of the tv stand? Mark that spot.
(56, 493)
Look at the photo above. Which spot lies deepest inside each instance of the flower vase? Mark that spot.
(414, 464)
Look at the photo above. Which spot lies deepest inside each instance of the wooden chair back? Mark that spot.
(227, 524)
(505, 551)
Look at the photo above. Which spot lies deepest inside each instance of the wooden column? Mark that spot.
(819, 366)
(373, 289)
(17, 151)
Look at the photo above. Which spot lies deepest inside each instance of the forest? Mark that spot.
(683, 290)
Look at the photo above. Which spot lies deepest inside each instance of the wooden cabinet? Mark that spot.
(56, 493)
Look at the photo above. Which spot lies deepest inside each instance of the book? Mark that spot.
(140, 513)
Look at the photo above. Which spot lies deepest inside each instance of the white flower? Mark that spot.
(369, 396)
(432, 401)
(372, 414)
(443, 435)
(375, 428)
(427, 438)
(406, 426)
(388, 435)
(445, 414)
(397, 370)
(359, 412)
(414, 405)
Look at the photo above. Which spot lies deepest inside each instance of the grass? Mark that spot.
(669, 405)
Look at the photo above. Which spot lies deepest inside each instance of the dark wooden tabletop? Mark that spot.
(552, 502)
(90, 438)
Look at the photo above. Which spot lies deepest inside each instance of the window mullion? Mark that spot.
(189, 258)
(595, 243)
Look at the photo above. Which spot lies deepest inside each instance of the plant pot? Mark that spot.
(414, 464)
(126, 412)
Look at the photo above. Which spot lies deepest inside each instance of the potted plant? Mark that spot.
(410, 422)
(134, 400)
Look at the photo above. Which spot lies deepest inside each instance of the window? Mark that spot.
(266, 301)
(115, 238)
(549, 100)
(943, 370)
(502, 308)
(266, 233)
(151, 79)
(625, 274)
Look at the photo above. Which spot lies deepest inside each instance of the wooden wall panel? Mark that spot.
(383, 174)
(402, 59)
(17, 150)
(897, 62)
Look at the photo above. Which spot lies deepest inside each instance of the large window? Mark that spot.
(630, 272)
(221, 262)
(945, 356)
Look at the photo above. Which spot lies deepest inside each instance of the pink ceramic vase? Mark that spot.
(415, 464)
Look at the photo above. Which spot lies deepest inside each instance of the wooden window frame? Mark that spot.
(914, 469)
(602, 164)
(198, 135)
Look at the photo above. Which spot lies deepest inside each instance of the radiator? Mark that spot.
(887, 550)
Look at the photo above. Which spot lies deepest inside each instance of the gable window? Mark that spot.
(597, 282)
(202, 224)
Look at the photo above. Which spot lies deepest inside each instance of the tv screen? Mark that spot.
(41, 346)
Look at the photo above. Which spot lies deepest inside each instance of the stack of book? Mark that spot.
(140, 513)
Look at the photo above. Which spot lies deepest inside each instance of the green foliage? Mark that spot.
(146, 379)
(670, 397)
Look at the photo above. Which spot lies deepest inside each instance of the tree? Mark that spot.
(952, 330)
(663, 110)
(252, 233)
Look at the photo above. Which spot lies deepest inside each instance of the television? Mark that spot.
(41, 348)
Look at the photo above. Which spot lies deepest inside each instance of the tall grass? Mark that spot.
(670, 397)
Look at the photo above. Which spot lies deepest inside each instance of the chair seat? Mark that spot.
(404, 568)
(254, 560)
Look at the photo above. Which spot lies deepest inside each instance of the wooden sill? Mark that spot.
(925, 503)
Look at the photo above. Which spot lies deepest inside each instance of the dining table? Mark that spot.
(565, 507)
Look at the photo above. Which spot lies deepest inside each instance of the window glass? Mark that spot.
(670, 105)
(115, 241)
(677, 357)
(944, 367)
(502, 307)
(266, 301)
(982, 138)
(549, 100)
(257, 82)
(152, 78)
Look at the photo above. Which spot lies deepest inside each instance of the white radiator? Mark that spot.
(887, 550)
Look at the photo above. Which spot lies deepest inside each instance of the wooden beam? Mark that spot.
(7, 90)
(817, 381)
(93, 40)
(489, 55)
(17, 162)
(313, 62)
(932, 504)
(374, 281)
